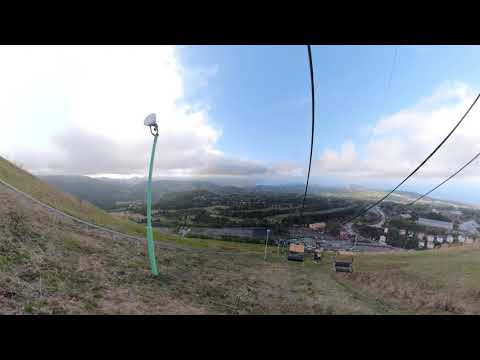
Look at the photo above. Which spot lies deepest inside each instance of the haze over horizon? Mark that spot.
(244, 112)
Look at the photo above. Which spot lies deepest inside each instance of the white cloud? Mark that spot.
(399, 142)
(80, 109)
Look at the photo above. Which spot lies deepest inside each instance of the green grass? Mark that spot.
(67, 203)
(436, 281)
(55, 269)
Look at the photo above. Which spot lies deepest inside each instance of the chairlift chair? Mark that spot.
(343, 261)
(296, 252)
(317, 254)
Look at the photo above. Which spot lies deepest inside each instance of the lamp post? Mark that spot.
(151, 122)
(266, 242)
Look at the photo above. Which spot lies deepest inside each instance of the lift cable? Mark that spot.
(312, 84)
(387, 88)
(418, 167)
(391, 70)
(443, 182)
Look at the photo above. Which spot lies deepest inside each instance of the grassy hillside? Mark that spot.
(71, 205)
(426, 282)
(67, 203)
(50, 267)
(47, 267)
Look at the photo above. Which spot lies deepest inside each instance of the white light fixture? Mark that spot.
(151, 120)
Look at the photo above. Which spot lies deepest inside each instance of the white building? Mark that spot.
(430, 241)
(435, 223)
(317, 226)
(470, 227)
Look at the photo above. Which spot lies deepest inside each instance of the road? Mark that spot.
(363, 242)
(379, 211)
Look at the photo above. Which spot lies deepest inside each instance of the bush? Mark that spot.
(18, 223)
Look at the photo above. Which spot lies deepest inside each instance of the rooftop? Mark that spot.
(435, 223)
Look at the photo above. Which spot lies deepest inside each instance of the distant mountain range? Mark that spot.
(106, 192)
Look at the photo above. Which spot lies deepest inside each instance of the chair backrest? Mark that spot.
(297, 248)
(344, 256)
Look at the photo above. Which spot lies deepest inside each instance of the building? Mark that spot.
(430, 241)
(309, 242)
(469, 227)
(317, 226)
(435, 223)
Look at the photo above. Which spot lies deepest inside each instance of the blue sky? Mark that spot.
(244, 112)
(266, 89)
(260, 95)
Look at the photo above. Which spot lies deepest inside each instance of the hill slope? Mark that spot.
(48, 266)
(52, 266)
(67, 203)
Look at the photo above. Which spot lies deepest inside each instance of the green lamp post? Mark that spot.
(151, 122)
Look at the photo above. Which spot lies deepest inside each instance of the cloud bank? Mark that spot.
(399, 142)
(80, 109)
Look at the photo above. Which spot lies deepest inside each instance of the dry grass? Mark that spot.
(57, 268)
(444, 281)
(53, 267)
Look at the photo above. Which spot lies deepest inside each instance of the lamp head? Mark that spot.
(151, 122)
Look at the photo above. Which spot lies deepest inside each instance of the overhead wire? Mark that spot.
(312, 85)
(418, 167)
(446, 180)
(391, 70)
(387, 89)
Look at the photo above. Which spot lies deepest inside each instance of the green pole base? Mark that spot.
(151, 251)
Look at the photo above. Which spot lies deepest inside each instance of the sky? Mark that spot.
(244, 112)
